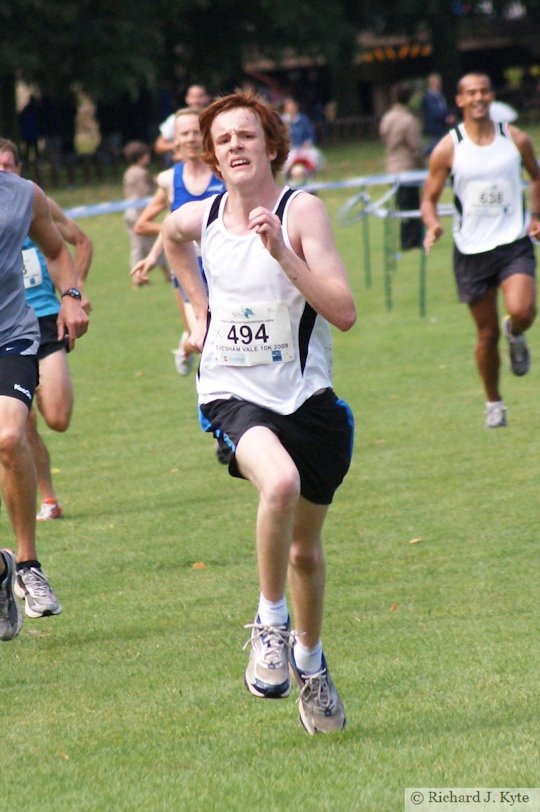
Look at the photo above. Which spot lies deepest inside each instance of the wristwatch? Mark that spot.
(73, 292)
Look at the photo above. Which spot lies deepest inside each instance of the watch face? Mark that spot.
(73, 292)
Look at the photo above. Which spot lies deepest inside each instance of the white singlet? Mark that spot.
(264, 342)
(488, 192)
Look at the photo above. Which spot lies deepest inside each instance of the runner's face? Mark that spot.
(239, 145)
(197, 98)
(187, 137)
(7, 163)
(474, 97)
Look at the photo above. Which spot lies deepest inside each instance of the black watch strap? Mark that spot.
(73, 292)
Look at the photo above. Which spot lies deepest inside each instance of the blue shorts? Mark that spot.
(318, 437)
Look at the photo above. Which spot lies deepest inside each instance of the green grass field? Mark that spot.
(132, 700)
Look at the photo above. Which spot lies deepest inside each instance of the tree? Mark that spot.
(114, 47)
(443, 21)
(104, 46)
(213, 39)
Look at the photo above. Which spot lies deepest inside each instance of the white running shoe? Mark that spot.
(33, 586)
(11, 618)
(267, 672)
(495, 414)
(320, 706)
(520, 357)
(182, 361)
(50, 509)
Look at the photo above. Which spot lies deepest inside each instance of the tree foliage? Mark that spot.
(101, 44)
(110, 47)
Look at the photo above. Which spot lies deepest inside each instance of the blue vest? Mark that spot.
(38, 285)
(182, 195)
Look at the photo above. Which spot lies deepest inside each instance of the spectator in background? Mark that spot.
(302, 134)
(109, 115)
(301, 130)
(435, 112)
(29, 129)
(138, 183)
(58, 125)
(196, 99)
(400, 133)
(502, 113)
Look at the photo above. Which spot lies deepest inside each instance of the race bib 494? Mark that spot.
(247, 335)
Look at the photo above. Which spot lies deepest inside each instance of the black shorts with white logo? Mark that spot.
(476, 274)
(19, 374)
(318, 436)
(49, 337)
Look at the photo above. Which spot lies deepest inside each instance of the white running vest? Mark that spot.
(264, 342)
(488, 192)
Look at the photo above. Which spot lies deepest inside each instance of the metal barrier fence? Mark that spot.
(359, 208)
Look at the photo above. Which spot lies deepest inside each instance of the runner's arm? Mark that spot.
(314, 266)
(530, 162)
(439, 169)
(142, 268)
(72, 319)
(180, 229)
(146, 222)
(76, 237)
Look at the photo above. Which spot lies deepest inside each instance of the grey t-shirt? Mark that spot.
(17, 319)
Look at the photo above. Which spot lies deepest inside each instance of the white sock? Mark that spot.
(308, 660)
(273, 614)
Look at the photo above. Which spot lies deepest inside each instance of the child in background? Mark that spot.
(138, 183)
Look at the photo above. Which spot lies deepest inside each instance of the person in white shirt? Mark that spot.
(196, 99)
(492, 229)
(275, 282)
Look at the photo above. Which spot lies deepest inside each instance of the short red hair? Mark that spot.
(275, 130)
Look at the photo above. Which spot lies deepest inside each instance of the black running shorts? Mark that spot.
(19, 376)
(318, 436)
(49, 337)
(476, 274)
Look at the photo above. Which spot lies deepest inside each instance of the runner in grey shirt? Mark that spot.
(24, 210)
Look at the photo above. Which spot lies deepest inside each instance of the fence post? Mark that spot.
(422, 283)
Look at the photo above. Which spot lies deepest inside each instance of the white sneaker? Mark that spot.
(50, 509)
(33, 586)
(320, 706)
(495, 414)
(267, 672)
(11, 618)
(520, 357)
(182, 361)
